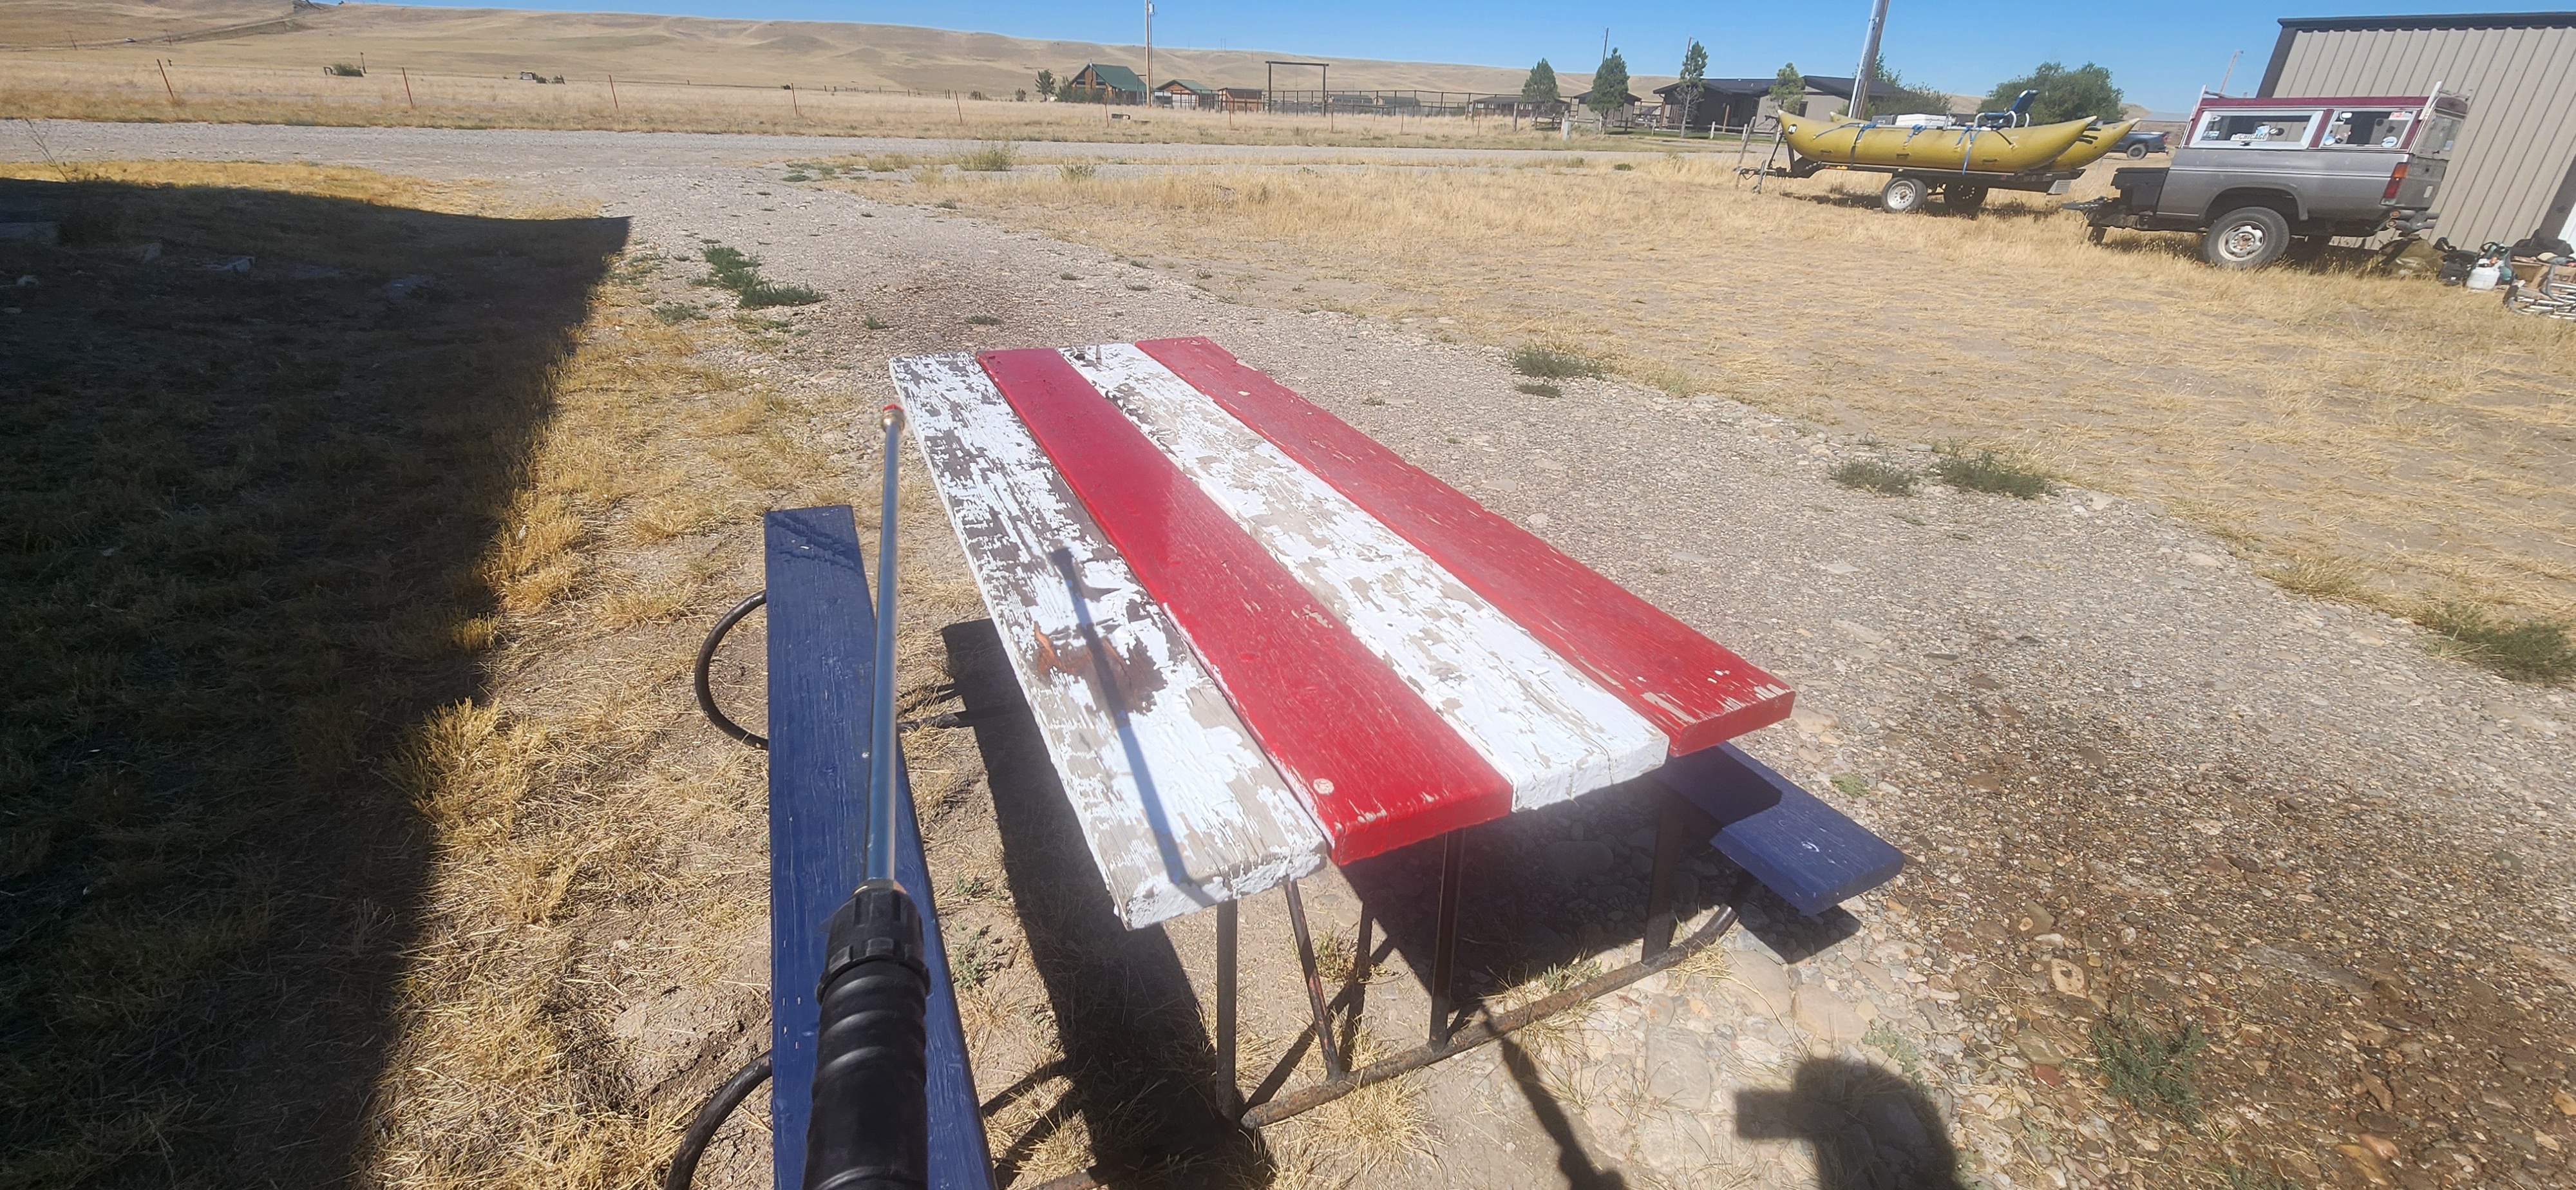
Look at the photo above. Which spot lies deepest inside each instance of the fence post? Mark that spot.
(613, 105)
(408, 101)
(165, 81)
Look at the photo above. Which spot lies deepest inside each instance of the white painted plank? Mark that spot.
(1548, 729)
(1179, 806)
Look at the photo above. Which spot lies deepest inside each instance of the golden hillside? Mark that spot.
(503, 42)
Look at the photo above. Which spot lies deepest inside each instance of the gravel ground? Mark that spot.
(2135, 780)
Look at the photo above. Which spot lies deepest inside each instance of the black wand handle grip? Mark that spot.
(871, 1124)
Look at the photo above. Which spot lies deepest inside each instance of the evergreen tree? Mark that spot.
(2082, 93)
(1693, 80)
(1788, 88)
(1046, 83)
(1609, 85)
(1541, 85)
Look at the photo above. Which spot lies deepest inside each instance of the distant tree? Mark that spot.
(1609, 86)
(1693, 80)
(1894, 96)
(1046, 84)
(1540, 87)
(1788, 88)
(2082, 93)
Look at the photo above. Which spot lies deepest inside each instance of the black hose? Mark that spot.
(707, 657)
(711, 1116)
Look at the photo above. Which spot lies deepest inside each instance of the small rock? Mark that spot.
(2566, 1102)
(1840, 567)
(1579, 858)
(1759, 981)
(2385, 1149)
(2066, 977)
(1826, 1018)
(2198, 559)
(2048, 1074)
(27, 282)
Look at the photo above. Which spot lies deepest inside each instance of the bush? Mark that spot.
(1536, 389)
(1079, 173)
(348, 70)
(2156, 1070)
(731, 268)
(1556, 361)
(1876, 477)
(1990, 470)
(2530, 650)
(982, 320)
(761, 295)
(993, 158)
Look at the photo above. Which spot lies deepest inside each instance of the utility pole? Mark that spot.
(1868, 72)
(1149, 53)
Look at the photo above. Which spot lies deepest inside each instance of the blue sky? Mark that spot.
(2160, 53)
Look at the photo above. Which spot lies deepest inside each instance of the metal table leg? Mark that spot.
(1314, 983)
(1444, 945)
(1225, 1005)
(1669, 835)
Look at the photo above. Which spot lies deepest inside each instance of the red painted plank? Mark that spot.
(1690, 687)
(1376, 763)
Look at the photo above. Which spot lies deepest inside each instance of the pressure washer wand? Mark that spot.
(870, 1128)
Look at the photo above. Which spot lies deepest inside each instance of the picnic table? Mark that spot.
(1255, 641)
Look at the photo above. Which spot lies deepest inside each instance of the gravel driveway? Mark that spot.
(2134, 779)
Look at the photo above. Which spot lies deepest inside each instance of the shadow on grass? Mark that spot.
(247, 507)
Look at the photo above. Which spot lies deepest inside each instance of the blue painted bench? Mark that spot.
(822, 627)
(1809, 853)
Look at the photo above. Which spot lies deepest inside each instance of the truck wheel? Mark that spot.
(1963, 199)
(2137, 152)
(1903, 194)
(2246, 238)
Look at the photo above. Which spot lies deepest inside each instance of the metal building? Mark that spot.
(2514, 170)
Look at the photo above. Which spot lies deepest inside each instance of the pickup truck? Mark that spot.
(2255, 173)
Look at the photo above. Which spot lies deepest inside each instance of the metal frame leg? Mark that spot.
(1669, 834)
(1225, 1005)
(1314, 983)
(1444, 946)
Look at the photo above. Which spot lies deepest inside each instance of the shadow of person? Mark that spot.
(1871, 1129)
(1143, 1070)
(1571, 1160)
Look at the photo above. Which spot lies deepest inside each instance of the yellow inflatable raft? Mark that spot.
(2094, 145)
(1981, 150)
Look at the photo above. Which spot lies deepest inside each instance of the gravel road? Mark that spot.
(2133, 777)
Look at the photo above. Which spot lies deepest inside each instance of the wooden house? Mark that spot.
(1097, 83)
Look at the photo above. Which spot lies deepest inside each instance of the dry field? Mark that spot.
(101, 89)
(501, 42)
(230, 61)
(2353, 434)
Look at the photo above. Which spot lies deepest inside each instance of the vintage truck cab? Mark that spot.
(2251, 174)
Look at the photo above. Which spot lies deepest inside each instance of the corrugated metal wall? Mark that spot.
(2521, 132)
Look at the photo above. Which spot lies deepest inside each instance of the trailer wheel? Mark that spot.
(1963, 199)
(1903, 194)
(2138, 152)
(2246, 238)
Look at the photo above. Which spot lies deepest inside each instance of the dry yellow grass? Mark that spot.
(132, 89)
(2411, 436)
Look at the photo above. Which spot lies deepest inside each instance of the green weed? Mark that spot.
(2541, 651)
(1991, 470)
(1539, 389)
(2156, 1070)
(1869, 475)
(1556, 361)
